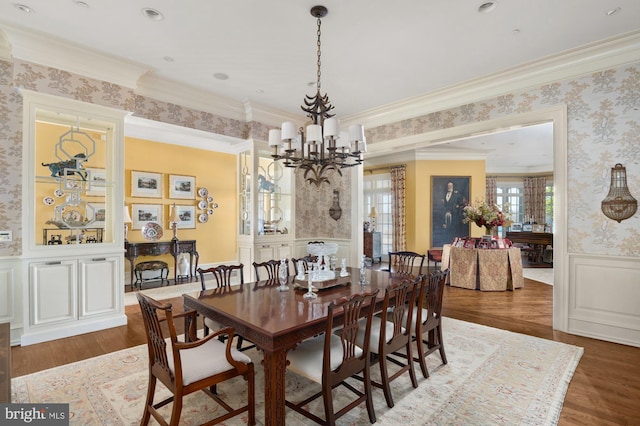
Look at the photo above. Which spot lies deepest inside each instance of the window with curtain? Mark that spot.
(377, 192)
(510, 198)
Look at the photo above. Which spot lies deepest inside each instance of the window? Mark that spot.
(510, 198)
(549, 200)
(377, 192)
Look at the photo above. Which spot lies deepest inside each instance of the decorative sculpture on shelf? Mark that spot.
(68, 167)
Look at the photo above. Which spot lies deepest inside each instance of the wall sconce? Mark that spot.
(174, 219)
(619, 204)
(127, 219)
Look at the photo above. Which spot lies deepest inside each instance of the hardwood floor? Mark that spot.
(605, 389)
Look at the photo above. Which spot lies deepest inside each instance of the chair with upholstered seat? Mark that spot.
(391, 331)
(406, 262)
(330, 359)
(427, 319)
(223, 275)
(306, 262)
(190, 366)
(271, 267)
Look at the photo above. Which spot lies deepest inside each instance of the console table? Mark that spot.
(373, 246)
(174, 248)
(539, 241)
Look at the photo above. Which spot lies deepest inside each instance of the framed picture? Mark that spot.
(96, 181)
(187, 217)
(537, 228)
(527, 227)
(449, 195)
(146, 184)
(515, 227)
(182, 187)
(145, 213)
(99, 214)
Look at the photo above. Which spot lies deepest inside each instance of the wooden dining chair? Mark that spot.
(187, 367)
(330, 359)
(392, 331)
(223, 275)
(427, 319)
(271, 267)
(306, 261)
(406, 262)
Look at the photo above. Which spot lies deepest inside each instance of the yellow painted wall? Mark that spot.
(418, 195)
(424, 170)
(217, 238)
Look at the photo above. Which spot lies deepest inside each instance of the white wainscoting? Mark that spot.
(604, 298)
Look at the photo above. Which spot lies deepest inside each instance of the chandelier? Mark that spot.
(323, 147)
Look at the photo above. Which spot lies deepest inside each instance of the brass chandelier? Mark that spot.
(322, 147)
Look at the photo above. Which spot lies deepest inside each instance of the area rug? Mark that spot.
(543, 275)
(492, 377)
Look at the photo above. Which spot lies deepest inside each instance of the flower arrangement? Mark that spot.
(483, 214)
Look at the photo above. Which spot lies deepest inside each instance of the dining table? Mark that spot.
(276, 321)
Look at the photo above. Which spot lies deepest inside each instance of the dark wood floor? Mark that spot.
(605, 389)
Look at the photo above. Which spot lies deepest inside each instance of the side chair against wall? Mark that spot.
(190, 366)
(223, 275)
(391, 331)
(330, 359)
(309, 259)
(271, 267)
(427, 319)
(406, 262)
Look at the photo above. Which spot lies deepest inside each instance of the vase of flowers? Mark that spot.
(483, 214)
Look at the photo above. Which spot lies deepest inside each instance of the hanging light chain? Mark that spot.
(319, 53)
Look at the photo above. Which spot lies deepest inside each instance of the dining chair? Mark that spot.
(223, 275)
(391, 331)
(306, 260)
(330, 359)
(271, 267)
(187, 367)
(406, 262)
(427, 319)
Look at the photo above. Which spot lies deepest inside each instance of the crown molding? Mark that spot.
(612, 53)
(49, 51)
(268, 115)
(156, 131)
(170, 91)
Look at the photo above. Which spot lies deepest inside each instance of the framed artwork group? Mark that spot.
(150, 185)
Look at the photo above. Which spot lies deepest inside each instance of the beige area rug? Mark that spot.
(166, 292)
(493, 377)
(543, 275)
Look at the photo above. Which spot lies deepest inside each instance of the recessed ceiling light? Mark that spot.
(515, 31)
(221, 76)
(168, 59)
(487, 7)
(613, 11)
(260, 91)
(81, 3)
(23, 7)
(152, 14)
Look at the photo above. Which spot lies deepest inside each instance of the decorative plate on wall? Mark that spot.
(203, 218)
(152, 231)
(203, 192)
(48, 200)
(202, 205)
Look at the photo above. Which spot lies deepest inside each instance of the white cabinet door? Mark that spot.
(98, 286)
(53, 292)
(283, 251)
(264, 253)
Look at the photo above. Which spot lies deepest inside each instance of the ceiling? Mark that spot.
(374, 52)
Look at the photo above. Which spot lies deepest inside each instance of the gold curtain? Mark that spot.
(398, 209)
(490, 195)
(535, 191)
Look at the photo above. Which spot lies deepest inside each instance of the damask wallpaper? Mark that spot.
(603, 129)
(603, 126)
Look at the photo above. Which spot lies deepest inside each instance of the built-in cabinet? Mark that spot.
(72, 264)
(266, 193)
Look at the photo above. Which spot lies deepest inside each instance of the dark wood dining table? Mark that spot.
(276, 321)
